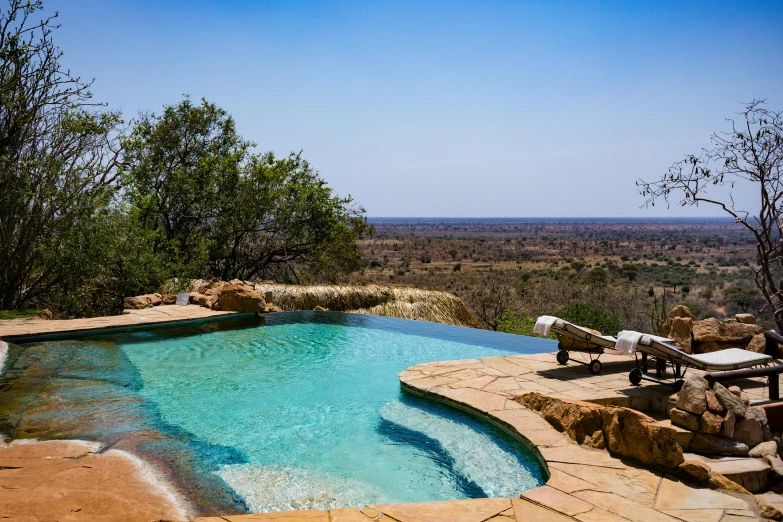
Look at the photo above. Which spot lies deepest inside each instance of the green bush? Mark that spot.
(521, 324)
(589, 317)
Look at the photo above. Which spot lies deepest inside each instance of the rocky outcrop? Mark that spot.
(711, 335)
(140, 302)
(678, 326)
(727, 424)
(580, 420)
(625, 432)
(692, 397)
(236, 298)
(233, 296)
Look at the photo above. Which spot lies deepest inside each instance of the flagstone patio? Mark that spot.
(27, 329)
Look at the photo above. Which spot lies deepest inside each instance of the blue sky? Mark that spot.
(449, 108)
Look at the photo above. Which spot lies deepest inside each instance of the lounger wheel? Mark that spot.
(594, 367)
(562, 356)
(635, 376)
(678, 386)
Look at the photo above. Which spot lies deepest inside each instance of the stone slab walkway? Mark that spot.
(19, 329)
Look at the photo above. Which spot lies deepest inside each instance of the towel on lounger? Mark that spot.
(627, 341)
(543, 324)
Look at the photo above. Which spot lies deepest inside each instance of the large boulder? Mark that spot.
(713, 404)
(745, 318)
(685, 420)
(680, 331)
(711, 423)
(236, 298)
(764, 449)
(757, 344)
(678, 326)
(629, 433)
(729, 421)
(710, 335)
(729, 401)
(748, 431)
(692, 397)
(138, 302)
(626, 433)
(580, 420)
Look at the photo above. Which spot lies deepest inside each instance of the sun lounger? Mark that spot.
(665, 350)
(573, 338)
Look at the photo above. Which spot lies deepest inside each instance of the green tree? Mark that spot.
(217, 209)
(743, 297)
(58, 165)
(587, 316)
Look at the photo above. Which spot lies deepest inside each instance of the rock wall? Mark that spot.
(710, 335)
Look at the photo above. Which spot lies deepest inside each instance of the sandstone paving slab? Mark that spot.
(566, 483)
(283, 516)
(578, 455)
(480, 400)
(740, 512)
(66, 480)
(347, 515)
(508, 368)
(524, 510)
(502, 384)
(674, 494)
(465, 374)
(530, 386)
(432, 381)
(626, 508)
(738, 518)
(600, 515)
(477, 382)
(557, 500)
(457, 362)
(18, 329)
(696, 515)
(635, 484)
(474, 510)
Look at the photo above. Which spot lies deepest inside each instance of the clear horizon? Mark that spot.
(459, 108)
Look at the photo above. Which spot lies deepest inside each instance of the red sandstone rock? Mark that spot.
(138, 302)
(626, 432)
(236, 298)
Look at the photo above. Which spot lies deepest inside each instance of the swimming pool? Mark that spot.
(310, 408)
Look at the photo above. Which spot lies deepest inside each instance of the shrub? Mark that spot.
(587, 316)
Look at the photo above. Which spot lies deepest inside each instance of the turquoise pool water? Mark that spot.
(313, 404)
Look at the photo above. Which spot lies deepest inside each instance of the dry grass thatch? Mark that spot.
(404, 303)
(389, 301)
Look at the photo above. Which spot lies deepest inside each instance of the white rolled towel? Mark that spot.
(627, 341)
(543, 324)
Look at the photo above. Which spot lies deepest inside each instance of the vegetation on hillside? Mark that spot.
(617, 274)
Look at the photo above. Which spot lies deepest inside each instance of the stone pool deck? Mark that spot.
(25, 329)
(585, 484)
